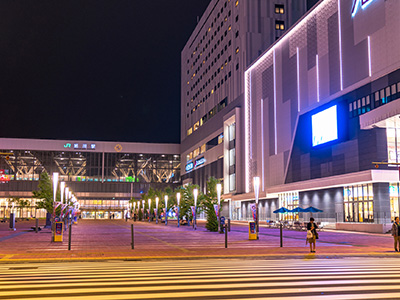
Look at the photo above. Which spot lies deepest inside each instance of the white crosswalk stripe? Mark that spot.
(204, 279)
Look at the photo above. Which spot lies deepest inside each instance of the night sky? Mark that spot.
(95, 70)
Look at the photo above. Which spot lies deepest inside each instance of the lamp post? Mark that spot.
(219, 190)
(195, 193)
(157, 209)
(138, 210)
(256, 194)
(166, 208)
(149, 209)
(62, 187)
(143, 209)
(178, 198)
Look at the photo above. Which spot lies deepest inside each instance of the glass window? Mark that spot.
(196, 152)
(232, 182)
(232, 132)
(279, 9)
(358, 203)
(220, 138)
(232, 157)
(196, 126)
(203, 149)
(190, 130)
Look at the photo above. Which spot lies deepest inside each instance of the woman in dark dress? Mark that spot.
(311, 240)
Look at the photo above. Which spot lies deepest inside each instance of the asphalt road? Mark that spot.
(356, 278)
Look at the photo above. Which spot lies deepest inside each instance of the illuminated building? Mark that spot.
(103, 176)
(320, 106)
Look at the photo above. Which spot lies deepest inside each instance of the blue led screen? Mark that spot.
(324, 126)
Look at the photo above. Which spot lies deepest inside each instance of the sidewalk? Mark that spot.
(111, 239)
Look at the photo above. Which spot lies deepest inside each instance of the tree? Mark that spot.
(44, 193)
(209, 200)
(187, 199)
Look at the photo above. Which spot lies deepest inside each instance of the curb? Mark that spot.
(199, 257)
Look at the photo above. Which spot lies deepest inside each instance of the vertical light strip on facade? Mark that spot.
(246, 129)
(340, 47)
(317, 71)
(275, 123)
(262, 143)
(298, 80)
(369, 56)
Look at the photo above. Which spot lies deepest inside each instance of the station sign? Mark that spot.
(80, 146)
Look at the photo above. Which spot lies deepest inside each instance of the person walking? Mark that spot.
(312, 234)
(396, 234)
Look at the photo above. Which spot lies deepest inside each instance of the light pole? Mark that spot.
(134, 211)
(219, 189)
(62, 187)
(178, 198)
(138, 210)
(195, 193)
(143, 209)
(256, 194)
(149, 209)
(166, 208)
(157, 209)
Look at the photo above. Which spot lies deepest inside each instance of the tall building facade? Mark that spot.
(321, 115)
(228, 37)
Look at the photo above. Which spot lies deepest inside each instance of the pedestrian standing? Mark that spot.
(312, 234)
(396, 234)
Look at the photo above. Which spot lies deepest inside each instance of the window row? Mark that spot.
(217, 108)
(207, 146)
(374, 100)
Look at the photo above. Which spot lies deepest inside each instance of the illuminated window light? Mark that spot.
(369, 57)
(317, 72)
(237, 50)
(298, 80)
(340, 47)
(237, 3)
(275, 129)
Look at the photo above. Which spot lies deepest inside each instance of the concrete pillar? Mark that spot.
(381, 203)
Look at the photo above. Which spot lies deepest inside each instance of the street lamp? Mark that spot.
(55, 183)
(166, 207)
(219, 190)
(149, 209)
(256, 194)
(157, 209)
(178, 198)
(143, 209)
(195, 193)
(62, 187)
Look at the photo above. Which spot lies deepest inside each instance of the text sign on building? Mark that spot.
(357, 4)
(80, 146)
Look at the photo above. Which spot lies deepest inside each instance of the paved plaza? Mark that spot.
(111, 239)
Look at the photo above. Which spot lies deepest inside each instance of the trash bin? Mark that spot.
(252, 231)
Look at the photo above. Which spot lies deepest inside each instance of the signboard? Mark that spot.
(193, 165)
(58, 232)
(80, 146)
(359, 3)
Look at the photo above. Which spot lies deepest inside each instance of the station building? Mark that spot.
(103, 176)
(318, 122)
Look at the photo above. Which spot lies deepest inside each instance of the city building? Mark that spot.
(103, 176)
(318, 122)
(229, 36)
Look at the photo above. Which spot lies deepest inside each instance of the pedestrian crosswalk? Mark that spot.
(204, 279)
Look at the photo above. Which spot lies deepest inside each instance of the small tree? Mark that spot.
(45, 194)
(209, 200)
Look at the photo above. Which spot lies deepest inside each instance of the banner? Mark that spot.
(216, 210)
(155, 211)
(193, 210)
(253, 211)
(176, 210)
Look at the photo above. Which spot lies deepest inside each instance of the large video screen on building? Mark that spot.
(324, 126)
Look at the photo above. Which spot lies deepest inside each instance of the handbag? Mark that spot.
(309, 234)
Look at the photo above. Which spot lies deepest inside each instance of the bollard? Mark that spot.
(69, 237)
(229, 225)
(37, 225)
(132, 237)
(281, 235)
(226, 236)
